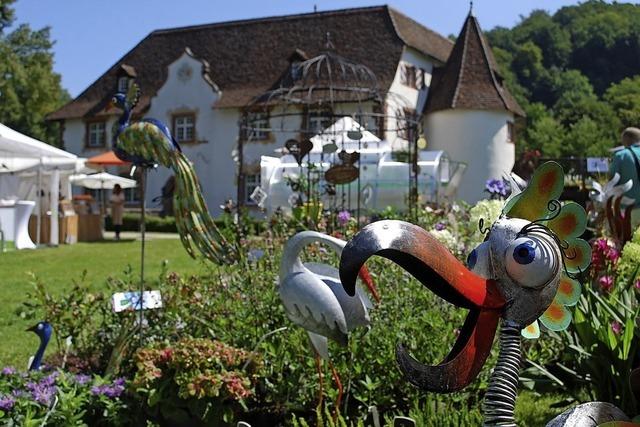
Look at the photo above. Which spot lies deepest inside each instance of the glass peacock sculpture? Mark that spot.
(522, 273)
(149, 141)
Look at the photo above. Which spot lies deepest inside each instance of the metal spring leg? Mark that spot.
(500, 400)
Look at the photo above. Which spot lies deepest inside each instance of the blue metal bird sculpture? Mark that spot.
(149, 141)
(43, 330)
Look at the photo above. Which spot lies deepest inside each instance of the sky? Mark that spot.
(91, 35)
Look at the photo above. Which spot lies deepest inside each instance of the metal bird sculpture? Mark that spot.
(43, 330)
(314, 298)
(521, 273)
(149, 141)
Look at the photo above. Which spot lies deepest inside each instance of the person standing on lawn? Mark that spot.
(626, 162)
(117, 209)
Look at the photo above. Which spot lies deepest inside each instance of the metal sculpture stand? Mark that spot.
(500, 400)
(143, 187)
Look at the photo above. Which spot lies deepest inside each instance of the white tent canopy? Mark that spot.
(40, 168)
(340, 133)
(20, 152)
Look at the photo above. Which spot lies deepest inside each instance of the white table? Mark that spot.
(14, 222)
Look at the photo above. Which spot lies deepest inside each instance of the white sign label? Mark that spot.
(597, 165)
(131, 300)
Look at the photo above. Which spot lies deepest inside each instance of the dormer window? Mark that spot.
(123, 84)
(408, 75)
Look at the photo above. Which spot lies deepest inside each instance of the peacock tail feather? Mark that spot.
(195, 225)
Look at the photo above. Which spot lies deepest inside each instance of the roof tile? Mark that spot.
(247, 57)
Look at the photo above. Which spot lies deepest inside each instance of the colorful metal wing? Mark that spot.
(533, 203)
(532, 331)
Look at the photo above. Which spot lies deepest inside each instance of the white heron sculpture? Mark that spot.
(314, 298)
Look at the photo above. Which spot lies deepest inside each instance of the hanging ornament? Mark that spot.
(329, 148)
(355, 135)
(345, 172)
(422, 143)
(298, 149)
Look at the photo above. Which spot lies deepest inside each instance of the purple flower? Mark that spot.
(8, 370)
(637, 284)
(111, 391)
(606, 283)
(82, 379)
(616, 327)
(6, 403)
(343, 218)
(42, 393)
(49, 380)
(496, 188)
(440, 226)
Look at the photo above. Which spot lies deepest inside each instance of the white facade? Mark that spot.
(478, 138)
(404, 96)
(475, 137)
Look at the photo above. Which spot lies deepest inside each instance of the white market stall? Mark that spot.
(31, 170)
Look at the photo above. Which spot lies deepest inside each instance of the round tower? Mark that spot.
(470, 114)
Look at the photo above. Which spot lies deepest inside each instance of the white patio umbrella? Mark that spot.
(101, 181)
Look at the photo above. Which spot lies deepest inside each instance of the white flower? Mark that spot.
(446, 238)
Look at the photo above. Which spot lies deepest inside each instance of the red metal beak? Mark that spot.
(435, 267)
(364, 275)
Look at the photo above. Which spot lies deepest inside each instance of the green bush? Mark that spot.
(131, 222)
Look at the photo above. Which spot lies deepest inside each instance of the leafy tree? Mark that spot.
(542, 132)
(6, 13)
(579, 70)
(624, 98)
(29, 88)
(586, 138)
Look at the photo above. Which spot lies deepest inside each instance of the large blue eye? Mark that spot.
(472, 259)
(524, 253)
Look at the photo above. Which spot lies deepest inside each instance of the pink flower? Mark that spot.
(613, 255)
(637, 284)
(616, 327)
(606, 283)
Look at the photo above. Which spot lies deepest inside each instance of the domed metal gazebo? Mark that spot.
(311, 96)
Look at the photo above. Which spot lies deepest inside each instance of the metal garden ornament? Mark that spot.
(149, 141)
(520, 276)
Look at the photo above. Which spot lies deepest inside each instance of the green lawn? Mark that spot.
(58, 267)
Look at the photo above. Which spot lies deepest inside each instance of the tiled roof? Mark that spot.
(247, 57)
(470, 78)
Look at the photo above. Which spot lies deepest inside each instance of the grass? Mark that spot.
(58, 267)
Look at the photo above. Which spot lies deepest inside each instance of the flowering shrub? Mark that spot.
(601, 344)
(58, 398)
(205, 378)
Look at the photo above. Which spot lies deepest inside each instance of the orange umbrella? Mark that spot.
(107, 159)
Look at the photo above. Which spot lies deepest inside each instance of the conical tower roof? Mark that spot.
(470, 79)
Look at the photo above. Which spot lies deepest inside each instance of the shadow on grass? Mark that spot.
(128, 240)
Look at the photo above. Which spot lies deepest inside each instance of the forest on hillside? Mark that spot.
(576, 73)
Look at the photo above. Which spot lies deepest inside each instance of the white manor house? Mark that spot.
(199, 80)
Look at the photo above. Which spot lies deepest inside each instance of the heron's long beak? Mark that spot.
(32, 329)
(435, 267)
